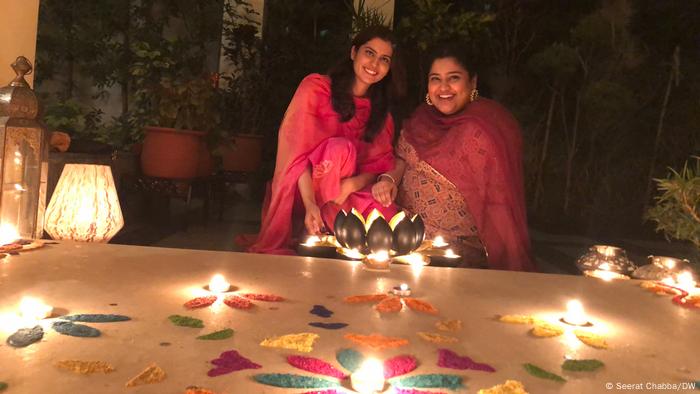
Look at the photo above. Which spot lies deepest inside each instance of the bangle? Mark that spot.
(388, 176)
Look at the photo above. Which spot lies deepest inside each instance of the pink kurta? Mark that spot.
(312, 135)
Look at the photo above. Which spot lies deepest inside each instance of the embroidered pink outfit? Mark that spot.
(312, 134)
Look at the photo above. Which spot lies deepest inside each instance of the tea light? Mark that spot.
(34, 309)
(605, 275)
(402, 291)
(352, 253)
(683, 281)
(439, 242)
(450, 254)
(369, 378)
(411, 259)
(312, 241)
(575, 315)
(218, 284)
(379, 260)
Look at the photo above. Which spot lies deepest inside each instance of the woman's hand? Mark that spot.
(347, 187)
(384, 191)
(313, 220)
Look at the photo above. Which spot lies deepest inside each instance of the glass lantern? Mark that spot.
(24, 151)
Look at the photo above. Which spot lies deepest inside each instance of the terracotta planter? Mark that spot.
(171, 153)
(245, 155)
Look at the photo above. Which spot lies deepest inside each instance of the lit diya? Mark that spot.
(318, 246)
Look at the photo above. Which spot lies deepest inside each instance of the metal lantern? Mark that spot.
(606, 258)
(24, 151)
(661, 267)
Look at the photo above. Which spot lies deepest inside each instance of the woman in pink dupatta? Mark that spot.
(334, 142)
(460, 165)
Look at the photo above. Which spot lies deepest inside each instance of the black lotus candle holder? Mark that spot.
(399, 236)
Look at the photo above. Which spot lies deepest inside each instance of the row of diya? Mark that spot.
(367, 379)
(377, 242)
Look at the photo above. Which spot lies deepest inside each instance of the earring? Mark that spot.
(474, 95)
(427, 99)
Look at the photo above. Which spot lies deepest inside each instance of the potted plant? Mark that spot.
(677, 209)
(179, 111)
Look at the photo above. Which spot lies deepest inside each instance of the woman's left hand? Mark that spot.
(384, 191)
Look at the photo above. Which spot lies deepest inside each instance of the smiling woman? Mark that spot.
(463, 171)
(334, 142)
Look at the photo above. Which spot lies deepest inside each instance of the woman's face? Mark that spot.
(371, 62)
(449, 85)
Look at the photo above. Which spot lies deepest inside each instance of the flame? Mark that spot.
(218, 284)
(575, 314)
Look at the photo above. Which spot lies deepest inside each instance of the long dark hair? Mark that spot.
(381, 94)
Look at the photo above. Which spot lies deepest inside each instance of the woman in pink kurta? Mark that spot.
(334, 142)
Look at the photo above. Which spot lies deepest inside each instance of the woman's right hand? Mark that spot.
(313, 220)
(384, 191)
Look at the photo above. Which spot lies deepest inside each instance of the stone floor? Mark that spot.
(554, 253)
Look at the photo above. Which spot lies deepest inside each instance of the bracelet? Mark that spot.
(388, 176)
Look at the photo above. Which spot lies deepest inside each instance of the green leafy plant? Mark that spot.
(677, 209)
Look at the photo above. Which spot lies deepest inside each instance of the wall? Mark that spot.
(385, 6)
(18, 22)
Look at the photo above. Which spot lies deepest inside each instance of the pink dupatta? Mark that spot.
(480, 151)
(308, 121)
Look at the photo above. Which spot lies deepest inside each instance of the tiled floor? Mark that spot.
(554, 253)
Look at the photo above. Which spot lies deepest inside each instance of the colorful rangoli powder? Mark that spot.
(356, 299)
(389, 305)
(152, 374)
(217, 335)
(302, 342)
(328, 326)
(321, 311)
(295, 381)
(437, 338)
(200, 302)
(315, 365)
(25, 336)
(449, 325)
(85, 367)
(450, 359)
(399, 365)
(509, 387)
(376, 341)
(546, 330)
(230, 361)
(420, 306)
(451, 382)
(96, 318)
(263, 297)
(582, 365)
(538, 372)
(350, 359)
(237, 302)
(75, 330)
(591, 339)
(186, 321)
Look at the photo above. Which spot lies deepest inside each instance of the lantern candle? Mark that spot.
(8, 234)
(218, 284)
(34, 309)
(379, 260)
(353, 254)
(575, 315)
(369, 378)
(439, 242)
(402, 291)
